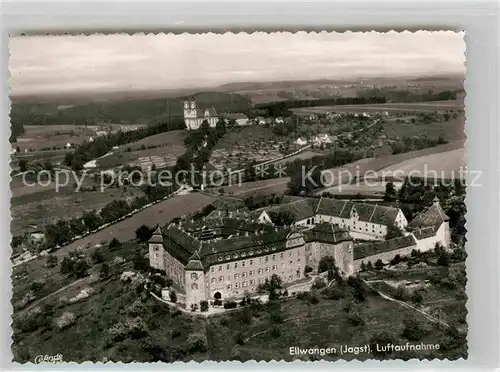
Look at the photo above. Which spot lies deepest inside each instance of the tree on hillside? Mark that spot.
(91, 220)
(303, 182)
(284, 218)
(143, 233)
(393, 232)
(23, 165)
(272, 286)
(114, 243)
(220, 128)
(390, 192)
(250, 174)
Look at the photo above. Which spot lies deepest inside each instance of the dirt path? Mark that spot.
(33, 304)
(408, 306)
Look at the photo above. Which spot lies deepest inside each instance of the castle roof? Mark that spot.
(299, 209)
(425, 232)
(370, 249)
(309, 207)
(378, 214)
(327, 233)
(334, 207)
(433, 217)
(233, 239)
(157, 236)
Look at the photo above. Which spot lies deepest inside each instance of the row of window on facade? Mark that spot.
(251, 272)
(251, 262)
(251, 282)
(244, 254)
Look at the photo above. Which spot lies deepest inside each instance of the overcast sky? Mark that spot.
(72, 64)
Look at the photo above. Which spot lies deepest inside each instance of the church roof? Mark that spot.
(200, 113)
(235, 116)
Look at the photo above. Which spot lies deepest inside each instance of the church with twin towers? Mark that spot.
(194, 116)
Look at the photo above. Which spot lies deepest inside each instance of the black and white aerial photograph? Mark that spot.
(219, 197)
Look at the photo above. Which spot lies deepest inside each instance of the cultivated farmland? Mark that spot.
(47, 205)
(161, 149)
(389, 107)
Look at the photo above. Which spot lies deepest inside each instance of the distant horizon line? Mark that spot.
(179, 92)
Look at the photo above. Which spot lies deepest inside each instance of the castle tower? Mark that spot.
(156, 251)
(195, 281)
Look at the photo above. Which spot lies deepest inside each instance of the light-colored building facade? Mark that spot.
(194, 117)
(229, 253)
(226, 257)
(363, 221)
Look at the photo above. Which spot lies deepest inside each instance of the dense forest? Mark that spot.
(282, 108)
(140, 111)
(366, 96)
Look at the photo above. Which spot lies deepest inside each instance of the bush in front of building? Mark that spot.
(203, 306)
(173, 296)
(230, 305)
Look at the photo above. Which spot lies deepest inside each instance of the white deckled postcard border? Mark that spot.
(481, 128)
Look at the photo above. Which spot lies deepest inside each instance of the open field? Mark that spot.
(367, 167)
(389, 107)
(39, 137)
(160, 213)
(46, 206)
(374, 189)
(165, 149)
(275, 185)
(18, 188)
(447, 165)
(451, 130)
(169, 139)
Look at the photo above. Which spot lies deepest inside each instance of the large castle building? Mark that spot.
(230, 252)
(194, 117)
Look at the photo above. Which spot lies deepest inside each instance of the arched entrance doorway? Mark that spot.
(217, 296)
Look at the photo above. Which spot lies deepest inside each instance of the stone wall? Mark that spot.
(385, 256)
